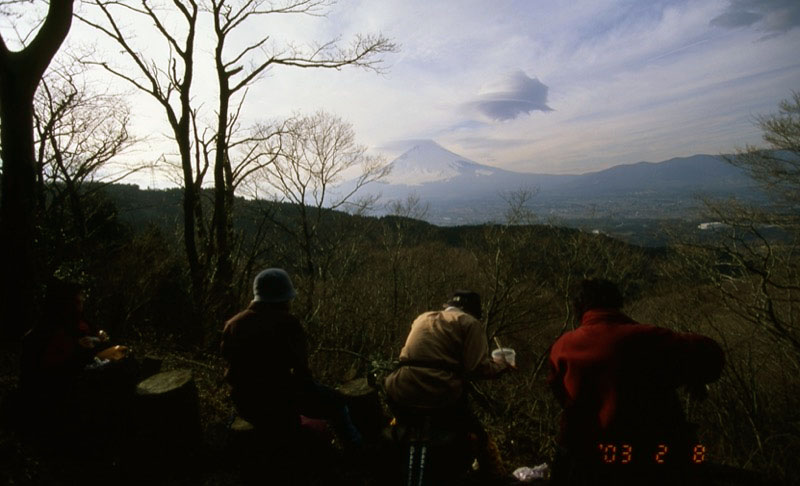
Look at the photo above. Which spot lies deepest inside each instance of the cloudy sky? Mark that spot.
(540, 85)
(552, 86)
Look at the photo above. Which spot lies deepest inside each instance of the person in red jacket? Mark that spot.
(74, 384)
(63, 345)
(616, 380)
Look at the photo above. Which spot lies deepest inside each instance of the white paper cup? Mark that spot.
(505, 355)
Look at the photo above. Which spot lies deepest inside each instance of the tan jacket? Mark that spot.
(452, 338)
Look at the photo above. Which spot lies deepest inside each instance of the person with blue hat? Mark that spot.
(265, 348)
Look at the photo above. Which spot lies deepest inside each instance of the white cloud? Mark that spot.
(512, 96)
(771, 16)
(627, 81)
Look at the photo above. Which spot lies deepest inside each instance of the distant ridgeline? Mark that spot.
(142, 208)
(631, 202)
(460, 191)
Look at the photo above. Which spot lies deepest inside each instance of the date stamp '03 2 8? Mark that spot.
(624, 454)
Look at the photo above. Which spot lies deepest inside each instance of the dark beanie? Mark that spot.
(468, 301)
(596, 293)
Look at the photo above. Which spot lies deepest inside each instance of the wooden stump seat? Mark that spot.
(167, 418)
(365, 407)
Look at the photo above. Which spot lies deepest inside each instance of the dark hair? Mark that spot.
(468, 301)
(596, 294)
(59, 302)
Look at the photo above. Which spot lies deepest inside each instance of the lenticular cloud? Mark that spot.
(516, 95)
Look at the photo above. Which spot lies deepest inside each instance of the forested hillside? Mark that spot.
(362, 280)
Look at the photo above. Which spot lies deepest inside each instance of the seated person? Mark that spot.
(271, 383)
(59, 355)
(444, 350)
(616, 380)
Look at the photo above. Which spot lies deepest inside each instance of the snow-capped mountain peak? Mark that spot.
(427, 161)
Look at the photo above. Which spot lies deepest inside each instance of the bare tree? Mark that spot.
(317, 152)
(169, 83)
(79, 131)
(217, 148)
(398, 237)
(24, 17)
(20, 74)
(776, 167)
(754, 262)
(234, 76)
(745, 277)
(504, 257)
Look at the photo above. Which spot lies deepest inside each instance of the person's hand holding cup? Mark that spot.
(505, 355)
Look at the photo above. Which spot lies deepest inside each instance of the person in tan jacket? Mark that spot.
(444, 350)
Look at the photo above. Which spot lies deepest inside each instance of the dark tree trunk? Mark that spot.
(191, 188)
(223, 198)
(192, 216)
(18, 209)
(222, 219)
(20, 74)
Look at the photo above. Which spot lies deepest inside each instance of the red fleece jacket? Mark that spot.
(616, 378)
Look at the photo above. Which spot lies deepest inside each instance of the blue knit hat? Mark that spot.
(273, 285)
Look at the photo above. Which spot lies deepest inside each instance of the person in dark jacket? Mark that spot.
(616, 380)
(62, 344)
(266, 351)
(72, 379)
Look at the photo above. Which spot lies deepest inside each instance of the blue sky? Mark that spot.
(538, 85)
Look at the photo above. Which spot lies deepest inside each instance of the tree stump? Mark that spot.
(241, 426)
(167, 418)
(365, 407)
(148, 366)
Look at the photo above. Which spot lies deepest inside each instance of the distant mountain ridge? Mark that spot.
(449, 182)
(698, 172)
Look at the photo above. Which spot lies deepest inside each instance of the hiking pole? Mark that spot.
(410, 465)
(424, 449)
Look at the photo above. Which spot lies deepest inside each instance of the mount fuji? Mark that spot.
(461, 191)
(436, 174)
(429, 162)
